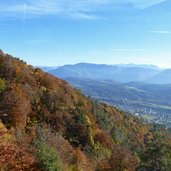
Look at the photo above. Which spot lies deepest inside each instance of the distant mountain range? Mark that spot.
(150, 66)
(119, 73)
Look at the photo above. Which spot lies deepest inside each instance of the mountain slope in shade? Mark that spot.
(101, 72)
(47, 125)
(163, 77)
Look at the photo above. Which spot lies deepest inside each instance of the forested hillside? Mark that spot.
(45, 124)
(149, 101)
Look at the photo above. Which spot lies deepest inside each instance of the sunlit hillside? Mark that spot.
(47, 125)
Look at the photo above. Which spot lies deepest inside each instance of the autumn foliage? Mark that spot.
(45, 124)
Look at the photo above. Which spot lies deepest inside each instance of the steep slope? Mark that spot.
(47, 125)
(101, 72)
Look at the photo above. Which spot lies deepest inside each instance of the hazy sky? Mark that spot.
(58, 32)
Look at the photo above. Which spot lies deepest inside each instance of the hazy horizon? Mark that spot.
(104, 64)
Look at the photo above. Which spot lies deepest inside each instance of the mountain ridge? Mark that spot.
(123, 73)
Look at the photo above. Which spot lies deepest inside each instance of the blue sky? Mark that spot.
(58, 32)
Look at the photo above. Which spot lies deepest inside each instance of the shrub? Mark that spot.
(100, 152)
(2, 85)
(48, 158)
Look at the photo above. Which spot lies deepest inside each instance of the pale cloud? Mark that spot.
(84, 9)
(160, 31)
(142, 4)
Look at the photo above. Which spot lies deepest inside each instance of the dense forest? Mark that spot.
(45, 124)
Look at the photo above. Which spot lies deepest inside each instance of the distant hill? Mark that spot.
(163, 77)
(100, 72)
(138, 65)
(152, 93)
(46, 125)
(47, 68)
